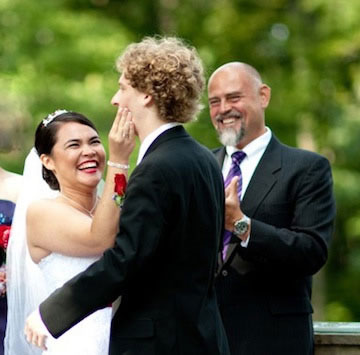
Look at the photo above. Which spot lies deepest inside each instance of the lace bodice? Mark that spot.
(90, 336)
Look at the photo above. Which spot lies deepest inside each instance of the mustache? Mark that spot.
(231, 114)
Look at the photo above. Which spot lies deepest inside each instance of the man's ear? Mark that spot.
(148, 99)
(265, 95)
(47, 162)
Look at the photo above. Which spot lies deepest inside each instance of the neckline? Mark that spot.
(80, 207)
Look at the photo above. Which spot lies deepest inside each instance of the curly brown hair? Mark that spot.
(168, 70)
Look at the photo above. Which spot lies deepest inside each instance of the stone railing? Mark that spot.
(337, 338)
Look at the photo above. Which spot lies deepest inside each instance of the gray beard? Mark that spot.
(230, 137)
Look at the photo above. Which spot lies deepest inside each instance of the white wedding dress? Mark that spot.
(90, 336)
(28, 284)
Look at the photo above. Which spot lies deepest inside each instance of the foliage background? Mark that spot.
(61, 54)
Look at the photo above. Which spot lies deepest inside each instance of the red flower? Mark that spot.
(119, 189)
(4, 236)
(120, 184)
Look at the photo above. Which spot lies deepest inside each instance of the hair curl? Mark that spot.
(46, 138)
(168, 70)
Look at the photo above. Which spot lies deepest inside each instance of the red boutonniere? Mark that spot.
(4, 236)
(119, 189)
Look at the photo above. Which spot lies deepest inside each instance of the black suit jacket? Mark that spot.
(164, 260)
(264, 290)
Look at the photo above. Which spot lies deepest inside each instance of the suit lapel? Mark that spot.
(175, 132)
(261, 183)
(230, 250)
(264, 178)
(220, 155)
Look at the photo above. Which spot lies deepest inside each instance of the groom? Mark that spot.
(164, 259)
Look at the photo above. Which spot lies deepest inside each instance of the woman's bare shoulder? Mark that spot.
(44, 208)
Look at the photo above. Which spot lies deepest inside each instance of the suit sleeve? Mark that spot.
(301, 248)
(141, 222)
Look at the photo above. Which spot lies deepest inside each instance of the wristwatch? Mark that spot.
(241, 226)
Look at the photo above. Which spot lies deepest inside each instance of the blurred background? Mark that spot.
(61, 54)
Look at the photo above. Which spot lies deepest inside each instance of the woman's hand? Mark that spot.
(121, 137)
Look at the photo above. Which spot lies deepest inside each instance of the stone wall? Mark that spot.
(337, 338)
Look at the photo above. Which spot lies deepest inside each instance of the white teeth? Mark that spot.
(87, 165)
(228, 120)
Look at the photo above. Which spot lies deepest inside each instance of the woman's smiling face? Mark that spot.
(78, 156)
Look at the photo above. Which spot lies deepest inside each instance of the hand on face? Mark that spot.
(232, 204)
(121, 136)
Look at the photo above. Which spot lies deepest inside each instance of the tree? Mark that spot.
(61, 54)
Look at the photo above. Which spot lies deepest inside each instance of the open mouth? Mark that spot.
(228, 121)
(228, 118)
(88, 165)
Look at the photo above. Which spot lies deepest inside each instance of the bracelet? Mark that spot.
(118, 165)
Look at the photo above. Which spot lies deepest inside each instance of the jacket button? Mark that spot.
(224, 272)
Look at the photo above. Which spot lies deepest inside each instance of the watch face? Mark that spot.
(241, 227)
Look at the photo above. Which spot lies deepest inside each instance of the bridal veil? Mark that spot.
(25, 285)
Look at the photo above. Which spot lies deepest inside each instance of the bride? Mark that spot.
(68, 226)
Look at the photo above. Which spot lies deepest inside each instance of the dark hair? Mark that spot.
(46, 137)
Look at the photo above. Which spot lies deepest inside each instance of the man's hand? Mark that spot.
(35, 330)
(232, 204)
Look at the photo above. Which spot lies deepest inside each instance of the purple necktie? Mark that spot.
(237, 158)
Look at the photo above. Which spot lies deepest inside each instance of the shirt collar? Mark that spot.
(149, 139)
(260, 143)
